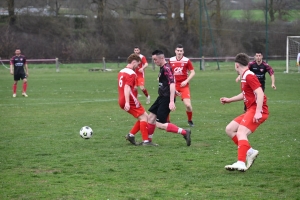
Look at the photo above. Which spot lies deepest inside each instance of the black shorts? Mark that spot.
(161, 109)
(19, 76)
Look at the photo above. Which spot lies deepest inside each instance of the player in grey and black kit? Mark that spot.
(165, 101)
(19, 68)
(260, 68)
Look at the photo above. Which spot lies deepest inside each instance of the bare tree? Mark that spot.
(11, 11)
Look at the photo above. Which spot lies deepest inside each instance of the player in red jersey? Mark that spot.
(183, 71)
(165, 101)
(19, 68)
(128, 99)
(260, 68)
(140, 71)
(245, 124)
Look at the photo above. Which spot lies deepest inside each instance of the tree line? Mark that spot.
(85, 31)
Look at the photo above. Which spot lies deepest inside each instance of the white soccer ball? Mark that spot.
(86, 132)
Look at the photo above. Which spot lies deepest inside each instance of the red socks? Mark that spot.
(189, 115)
(151, 128)
(175, 129)
(24, 87)
(144, 130)
(243, 147)
(145, 92)
(235, 140)
(135, 128)
(14, 88)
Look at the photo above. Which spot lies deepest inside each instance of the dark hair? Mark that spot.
(133, 57)
(179, 46)
(157, 52)
(136, 47)
(242, 59)
(259, 51)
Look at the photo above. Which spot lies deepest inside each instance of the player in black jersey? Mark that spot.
(19, 68)
(165, 101)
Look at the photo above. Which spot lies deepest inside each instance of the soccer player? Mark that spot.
(245, 124)
(128, 99)
(260, 68)
(19, 68)
(165, 101)
(183, 71)
(140, 71)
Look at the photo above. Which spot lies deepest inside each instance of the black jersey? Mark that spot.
(19, 63)
(260, 70)
(166, 77)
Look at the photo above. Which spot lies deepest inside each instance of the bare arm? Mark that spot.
(238, 78)
(238, 97)
(126, 94)
(191, 75)
(172, 96)
(273, 82)
(259, 103)
(26, 69)
(144, 67)
(11, 69)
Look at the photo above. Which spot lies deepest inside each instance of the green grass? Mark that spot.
(43, 156)
(259, 15)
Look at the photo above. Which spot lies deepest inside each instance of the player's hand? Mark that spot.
(183, 83)
(141, 70)
(177, 93)
(172, 106)
(224, 100)
(297, 64)
(274, 87)
(126, 107)
(11, 72)
(257, 117)
(238, 78)
(27, 74)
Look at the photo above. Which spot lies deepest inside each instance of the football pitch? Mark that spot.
(43, 156)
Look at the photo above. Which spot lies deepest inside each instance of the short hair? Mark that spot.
(133, 57)
(259, 51)
(242, 59)
(179, 46)
(157, 52)
(136, 47)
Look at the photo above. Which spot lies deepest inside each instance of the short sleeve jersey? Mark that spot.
(260, 70)
(18, 62)
(181, 68)
(249, 83)
(127, 77)
(165, 78)
(143, 62)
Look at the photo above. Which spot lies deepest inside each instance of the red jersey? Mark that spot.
(181, 68)
(127, 77)
(143, 62)
(249, 83)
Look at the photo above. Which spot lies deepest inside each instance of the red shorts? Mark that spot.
(140, 81)
(185, 91)
(246, 119)
(135, 111)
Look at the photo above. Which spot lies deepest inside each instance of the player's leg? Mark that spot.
(161, 122)
(141, 84)
(15, 84)
(152, 118)
(14, 88)
(186, 98)
(24, 87)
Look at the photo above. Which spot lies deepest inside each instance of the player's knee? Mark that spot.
(229, 130)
